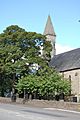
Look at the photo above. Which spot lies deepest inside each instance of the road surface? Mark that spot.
(20, 112)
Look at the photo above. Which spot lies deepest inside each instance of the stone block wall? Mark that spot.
(44, 103)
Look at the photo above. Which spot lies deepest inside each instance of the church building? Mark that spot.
(67, 63)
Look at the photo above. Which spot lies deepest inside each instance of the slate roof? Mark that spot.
(66, 61)
(49, 30)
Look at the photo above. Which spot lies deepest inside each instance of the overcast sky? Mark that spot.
(32, 16)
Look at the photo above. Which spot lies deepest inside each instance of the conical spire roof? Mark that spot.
(49, 30)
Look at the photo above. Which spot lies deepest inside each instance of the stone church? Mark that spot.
(67, 63)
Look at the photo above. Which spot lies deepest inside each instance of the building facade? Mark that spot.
(67, 63)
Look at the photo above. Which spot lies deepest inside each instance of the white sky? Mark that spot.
(61, 49)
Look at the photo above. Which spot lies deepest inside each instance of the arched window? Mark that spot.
(70, 84)
(70, 77)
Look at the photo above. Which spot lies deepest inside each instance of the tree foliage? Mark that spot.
(19, 51)
(45, 82)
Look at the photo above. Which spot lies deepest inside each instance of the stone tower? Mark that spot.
(50, 34)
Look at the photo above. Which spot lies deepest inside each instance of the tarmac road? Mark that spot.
(20, 112)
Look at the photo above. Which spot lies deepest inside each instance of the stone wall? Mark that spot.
(5, 100)
(44, 103)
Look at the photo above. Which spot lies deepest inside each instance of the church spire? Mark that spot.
(49, 30)
(50, 35)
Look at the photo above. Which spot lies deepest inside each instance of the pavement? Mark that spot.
(21, 112)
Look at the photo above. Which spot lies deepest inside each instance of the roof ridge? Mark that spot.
(68, 51)
(67, 60)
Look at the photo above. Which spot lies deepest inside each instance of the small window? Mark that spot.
(69, 77)
(76, 74)
(63, 75)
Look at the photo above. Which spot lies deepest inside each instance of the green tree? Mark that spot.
(46, 82)
(19, 55)
(18, 51)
